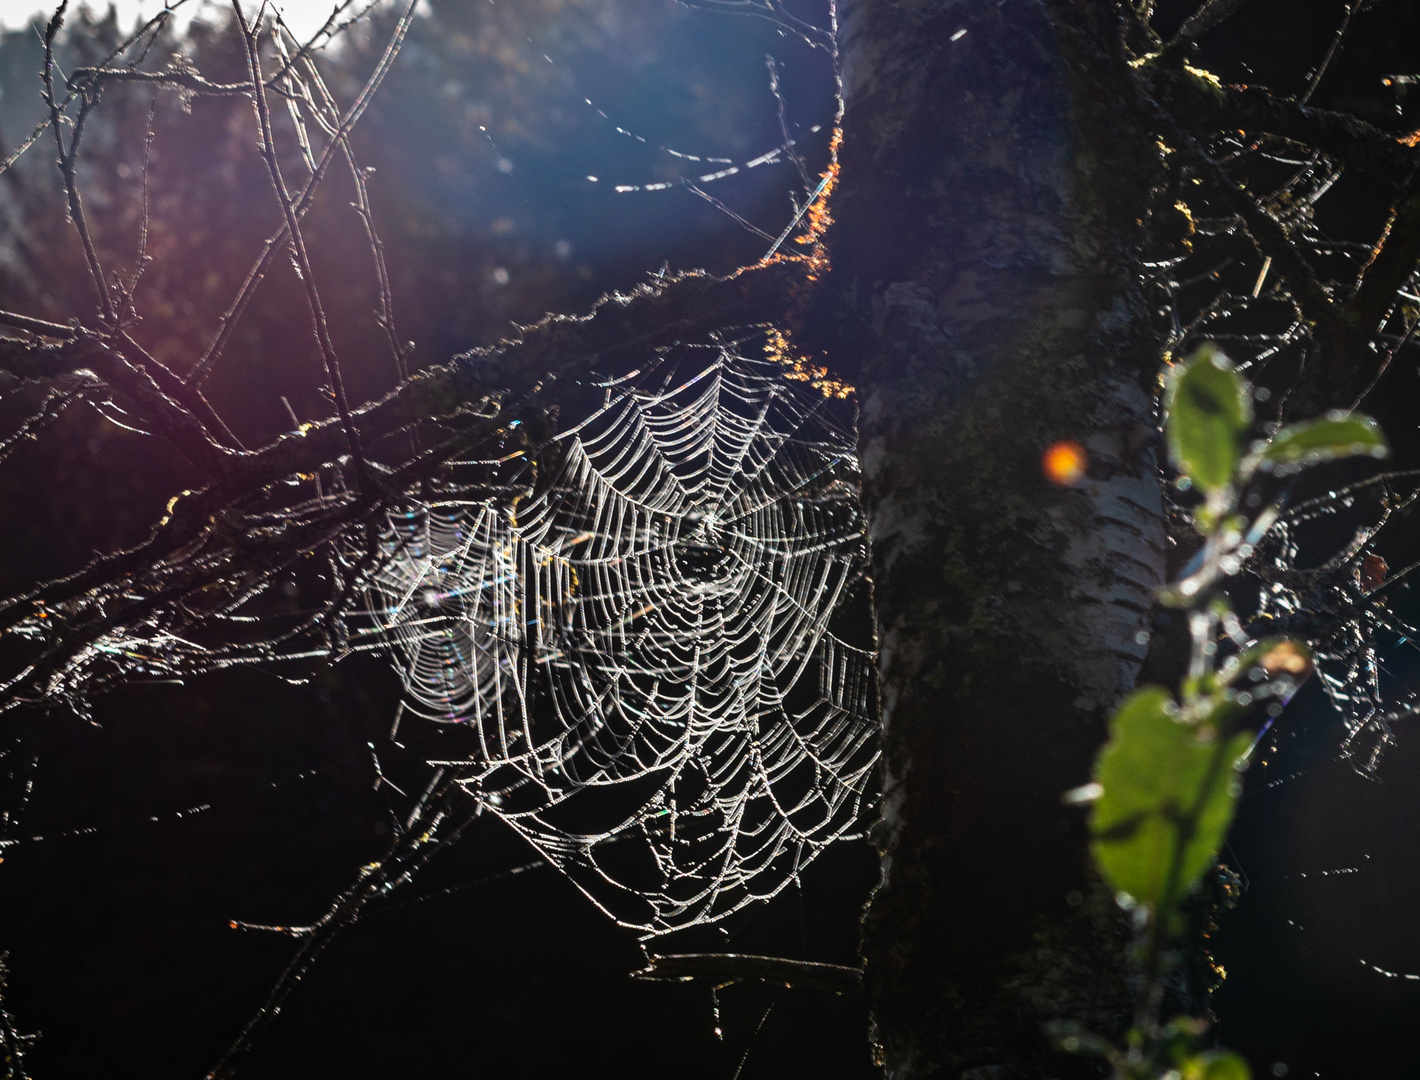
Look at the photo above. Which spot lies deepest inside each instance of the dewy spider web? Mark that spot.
(1213, 283)
(1341, 607)
(643, 649)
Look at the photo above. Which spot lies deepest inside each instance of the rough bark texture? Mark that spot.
(986, 291)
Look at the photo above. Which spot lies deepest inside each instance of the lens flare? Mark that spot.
(1064, 463)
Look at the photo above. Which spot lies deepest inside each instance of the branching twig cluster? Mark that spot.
(1247, 167)
(188, 597)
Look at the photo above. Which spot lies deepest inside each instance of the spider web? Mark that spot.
(1307, 574)
(645, 650)
(1345, 608)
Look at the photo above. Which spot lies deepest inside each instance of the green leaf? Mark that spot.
(1215, 1065)
(1334, 435)
(1169, 792)
(1209, 409)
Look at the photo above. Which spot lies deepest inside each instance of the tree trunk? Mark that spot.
(986, 291)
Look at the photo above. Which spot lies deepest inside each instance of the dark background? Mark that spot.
(117, 920)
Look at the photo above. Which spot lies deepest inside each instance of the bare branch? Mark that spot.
(1336, 40)
(1205, 107)
(232, 316)
(189, 396)
(1211, 14)
(1349, 367)
(298, 246)
(189, 82)
(45, 363)
(358, 177)
(1273, 241)
(151, 25)
(67, 162)
(432, 827)
(510, 377)
(1392, 262)
(31, 325)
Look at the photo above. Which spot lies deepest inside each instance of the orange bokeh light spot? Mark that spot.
(1065, 463)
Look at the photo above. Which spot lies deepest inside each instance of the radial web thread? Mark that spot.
(646, 649)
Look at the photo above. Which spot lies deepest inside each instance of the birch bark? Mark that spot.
(987, 296)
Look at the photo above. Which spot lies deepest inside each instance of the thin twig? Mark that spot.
(358, 177)
(67, 163)
(275, 243)
(16, 321)
(188, 396)
(53, 405)
(34, 136)
(90, 79)
(298, 246)
(1205, 19)
(408, 853)
(331, 29)
(1330, 53)
(1268, 233)
(140, 262)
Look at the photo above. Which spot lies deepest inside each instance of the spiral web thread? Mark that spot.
(644, 652)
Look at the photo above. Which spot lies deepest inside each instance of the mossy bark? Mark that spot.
(986, 297)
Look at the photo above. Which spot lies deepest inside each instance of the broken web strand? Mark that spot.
(711, 168)
(823, 38)
(643, 651)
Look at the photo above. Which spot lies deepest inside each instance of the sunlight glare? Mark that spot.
(304, 17)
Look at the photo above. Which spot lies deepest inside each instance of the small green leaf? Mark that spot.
(1215, 1065)
(1334, 435)
(1209, 410)
(1169, 791)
